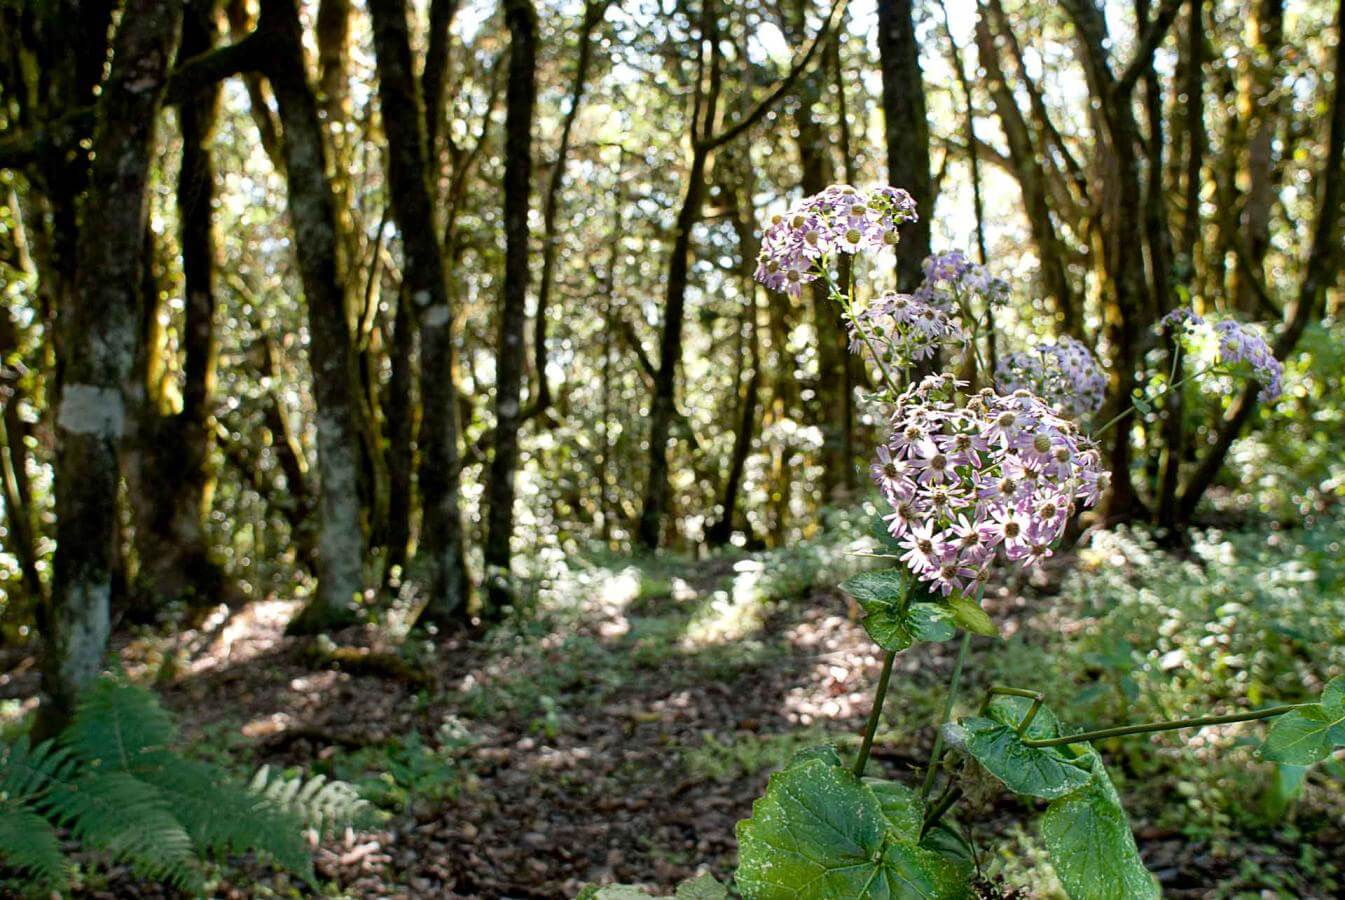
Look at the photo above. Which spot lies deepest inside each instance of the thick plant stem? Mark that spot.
(1173, 725)
(871, 727)
(947, 715)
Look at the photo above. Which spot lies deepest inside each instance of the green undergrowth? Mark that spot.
(1241, 621)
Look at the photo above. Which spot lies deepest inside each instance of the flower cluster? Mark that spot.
(975, 479)
(1230, 344)
(841, 219)
(904, 328)
(1065, 374)
(954, 277)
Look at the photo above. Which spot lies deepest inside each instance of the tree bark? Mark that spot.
(440, 558)
(906, 130)
(1128, 305)
(98, 341)
(1265, 35)
(312, 210)
(168, 464)
(520, 98)
(593, 13)
(1032, 178)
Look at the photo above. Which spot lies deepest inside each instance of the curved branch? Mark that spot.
(752, 116)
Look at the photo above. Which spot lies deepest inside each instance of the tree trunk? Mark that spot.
(169, 466)
(833, 354)
(440, 558)
(663, 407)
(906, 130)
(312, 211)
(1032, 178)
(1265, 37)
(98, 342)
(520, 98)
(400, 408)
(593, 13)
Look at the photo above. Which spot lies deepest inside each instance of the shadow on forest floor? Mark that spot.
(619, 739)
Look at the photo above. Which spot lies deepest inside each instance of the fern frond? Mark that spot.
(223, 816)
(117, 722)
(129, 819)
(26, 771)
(29, 845)
(325, 806)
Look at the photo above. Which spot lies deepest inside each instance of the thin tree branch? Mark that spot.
(1153, 35)
(783, 85)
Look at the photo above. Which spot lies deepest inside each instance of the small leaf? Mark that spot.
(944, 840)
(1300, 737)
(894, 627)
(1092, 848)
(1046, 772)
(1333, 696)
(1333, 701)
(901, 806)
(968, 615)
(825, 752)
(886, 542)
(702, 888)
(1141, 405)
(889, 585)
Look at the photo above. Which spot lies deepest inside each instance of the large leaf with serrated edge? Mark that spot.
(819, 832)
(1091, 846)
(993, 741)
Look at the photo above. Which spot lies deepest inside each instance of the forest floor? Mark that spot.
(621, 735)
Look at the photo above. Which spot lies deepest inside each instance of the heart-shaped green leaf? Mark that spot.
(968, 615)
(885, 585)
(1092, 848)
(896, 613)
(820, 832)
(894, 627)
(825, 752)
(994, 742)
(1302, 736)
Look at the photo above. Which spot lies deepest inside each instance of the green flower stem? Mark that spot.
(947, 715)
(847, 302)
(871, 727)
(1003, 690)
(1167, 390)
(1173, 725)
(945, 803)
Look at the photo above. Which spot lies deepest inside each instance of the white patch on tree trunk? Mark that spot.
(87, 624)
(88, 409)
(436, 316)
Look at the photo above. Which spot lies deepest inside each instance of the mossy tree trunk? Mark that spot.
(520, 98)
(440, 558)
(98, 335)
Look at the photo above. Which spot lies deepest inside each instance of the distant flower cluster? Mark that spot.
(951, 275)
(906, 328)
(841, 219)
(1230, 344)
(972, 482)
(1065, 374)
